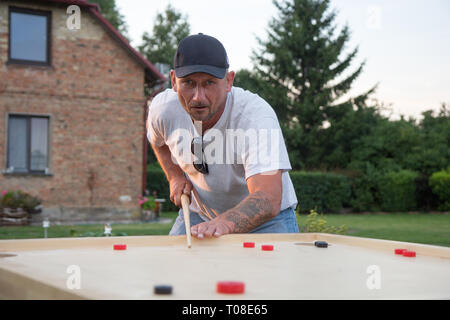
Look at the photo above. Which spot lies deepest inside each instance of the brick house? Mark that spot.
(72, 111)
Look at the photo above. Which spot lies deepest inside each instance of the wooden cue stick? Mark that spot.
(187, 221)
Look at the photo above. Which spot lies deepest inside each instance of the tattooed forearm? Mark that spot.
(253, 211)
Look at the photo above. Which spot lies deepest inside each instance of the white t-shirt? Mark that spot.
(245, 141)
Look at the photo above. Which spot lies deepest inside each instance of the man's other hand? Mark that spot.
(178, 186)
(214, 228)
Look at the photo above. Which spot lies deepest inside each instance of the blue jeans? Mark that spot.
(284, 222)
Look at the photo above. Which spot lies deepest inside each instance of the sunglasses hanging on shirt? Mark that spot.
(197, 150)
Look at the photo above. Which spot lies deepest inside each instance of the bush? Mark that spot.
(398, 190)
(426, 199)
(147, 203)
(365, 196)
(440, 184)
(316, 223)
(323, 192)
(20, 199)
(156, 181)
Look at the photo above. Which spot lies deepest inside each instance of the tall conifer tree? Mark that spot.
(302, 69)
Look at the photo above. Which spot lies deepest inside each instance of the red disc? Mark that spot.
(120, 247)
(267, 247)
(230, 287)
(249, 244)
(407, 253)
(399, 251)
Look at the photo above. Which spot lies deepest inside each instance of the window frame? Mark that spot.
(48, 15)
(28, 118)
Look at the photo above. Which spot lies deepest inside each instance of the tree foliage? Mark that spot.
(169, 29)
(404, 144)
(109, 10)
(304, 57)
(303, 71)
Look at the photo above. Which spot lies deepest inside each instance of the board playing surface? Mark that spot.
(349, 268)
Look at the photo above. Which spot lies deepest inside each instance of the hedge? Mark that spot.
(365, 195)
(322, 192)
(156, 181)
(330, 192)
(426, 199)
(398, 190)
(440, 184)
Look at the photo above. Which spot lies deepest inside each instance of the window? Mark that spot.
(27, 144)
(29, 36)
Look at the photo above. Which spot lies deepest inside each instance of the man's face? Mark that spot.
(203, 96)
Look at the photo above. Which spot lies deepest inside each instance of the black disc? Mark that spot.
(163, 289)
(321, 244)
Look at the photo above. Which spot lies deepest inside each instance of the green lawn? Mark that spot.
(420, 228)
(410, 227)
(91, 230)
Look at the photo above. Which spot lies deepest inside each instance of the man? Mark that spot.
(212, 139)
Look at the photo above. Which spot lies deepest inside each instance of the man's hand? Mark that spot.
(214, 228)
(177, 181)
(261, 205)
(178, 186)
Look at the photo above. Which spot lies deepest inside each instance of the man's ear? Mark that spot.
(230, 79)
(173, 79)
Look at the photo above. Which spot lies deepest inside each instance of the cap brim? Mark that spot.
(217, 72)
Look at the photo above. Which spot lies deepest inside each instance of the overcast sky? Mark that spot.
(405, 43)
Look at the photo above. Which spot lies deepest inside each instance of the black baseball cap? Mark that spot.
(200, 53)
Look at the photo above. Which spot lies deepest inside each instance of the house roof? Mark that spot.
(152, 74)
